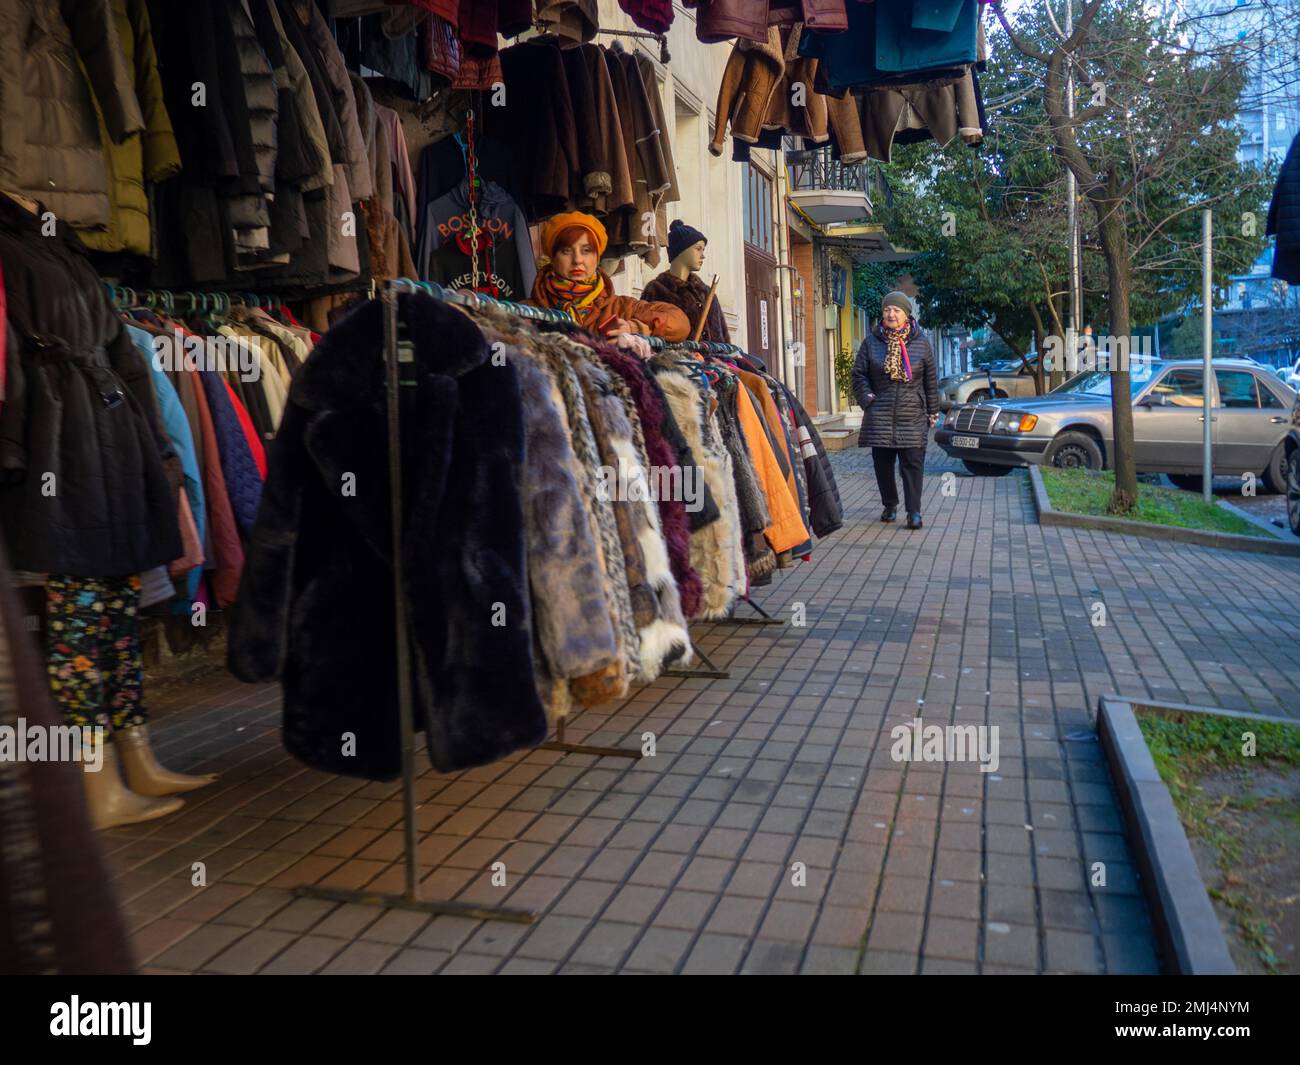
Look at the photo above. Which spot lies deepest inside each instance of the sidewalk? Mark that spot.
(685, 862)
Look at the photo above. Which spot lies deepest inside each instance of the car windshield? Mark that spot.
(1097, 383)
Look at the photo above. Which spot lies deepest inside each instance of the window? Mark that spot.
(1184, 388)
(758, 210)
(1240, 388)
(1237, 388)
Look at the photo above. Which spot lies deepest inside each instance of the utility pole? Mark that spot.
(1207, 340)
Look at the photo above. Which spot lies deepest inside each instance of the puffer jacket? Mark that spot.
(894, 413)
(1284, 217)
(84, 484)
(152, 156)
(49, 134)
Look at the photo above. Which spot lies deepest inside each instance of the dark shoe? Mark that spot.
(889, 514)
(914, 521)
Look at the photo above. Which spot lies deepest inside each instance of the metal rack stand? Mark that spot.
(396, 352)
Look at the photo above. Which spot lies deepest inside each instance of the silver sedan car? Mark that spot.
(1009, 378)
(1071, 426)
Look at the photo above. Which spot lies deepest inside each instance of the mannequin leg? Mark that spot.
(124, 696)
(75, 609)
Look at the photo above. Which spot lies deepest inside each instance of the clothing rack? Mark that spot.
(124, 296)
(665, 57)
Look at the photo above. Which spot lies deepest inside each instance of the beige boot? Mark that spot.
(110, 803)
(144, 775)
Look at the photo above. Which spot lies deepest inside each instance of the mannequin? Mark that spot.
(572, 281)
(92, 643)
(682, 286)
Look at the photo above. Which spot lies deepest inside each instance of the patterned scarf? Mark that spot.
(897, 365)
(576, 298)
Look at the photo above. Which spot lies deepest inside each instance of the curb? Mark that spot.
(1047, 515)
(1186, 926)
(1255, 520)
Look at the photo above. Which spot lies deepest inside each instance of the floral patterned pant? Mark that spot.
(93, 649)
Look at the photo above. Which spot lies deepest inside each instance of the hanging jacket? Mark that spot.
(445, 238)
(150, 156)
(49, 136)
(243, 485)
(84, 489)
(894, 413)
(786, 529)
(720, 20)
(826, 511)
(1284, 217)
(226, 559)
(322, 551)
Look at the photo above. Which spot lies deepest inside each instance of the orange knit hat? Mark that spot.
(553, 227)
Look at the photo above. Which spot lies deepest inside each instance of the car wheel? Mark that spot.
(1074, 451)
(1275, 476)
(1293, 491)
(1188, 482)
(978, 396)
(986, 469)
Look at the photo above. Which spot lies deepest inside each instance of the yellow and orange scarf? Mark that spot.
(577, 299)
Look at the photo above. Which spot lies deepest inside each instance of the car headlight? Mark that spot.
(1014, 421)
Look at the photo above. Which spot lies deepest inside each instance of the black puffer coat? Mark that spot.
(84, 490)
(894, 413)
(1284, 217)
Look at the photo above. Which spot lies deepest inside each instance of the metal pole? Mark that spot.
(1072, 206)
(1207, 333)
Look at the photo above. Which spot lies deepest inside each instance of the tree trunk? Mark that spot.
(1114, 244)
(1040, 339)
(1057, 377)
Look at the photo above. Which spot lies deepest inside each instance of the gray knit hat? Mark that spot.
(899, 300)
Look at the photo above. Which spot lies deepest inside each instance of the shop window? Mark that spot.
(758, 210)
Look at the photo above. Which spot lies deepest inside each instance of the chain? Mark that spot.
(471, 162)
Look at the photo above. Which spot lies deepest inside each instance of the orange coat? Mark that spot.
(787, 530)
(662, 319)
(774, 422)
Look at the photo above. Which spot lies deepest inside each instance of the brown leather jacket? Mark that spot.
(720, 20)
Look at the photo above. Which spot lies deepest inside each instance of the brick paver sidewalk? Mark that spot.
(687, 861)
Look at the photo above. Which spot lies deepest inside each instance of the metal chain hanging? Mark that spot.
(471, 165)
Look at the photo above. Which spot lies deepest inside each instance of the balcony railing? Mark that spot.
(816, 170)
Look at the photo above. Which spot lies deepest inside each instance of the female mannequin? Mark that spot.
(574, 282)
(681, 285)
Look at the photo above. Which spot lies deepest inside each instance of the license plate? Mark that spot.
(965, 441)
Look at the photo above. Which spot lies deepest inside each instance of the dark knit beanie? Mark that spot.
(899, 300)
(680, 237)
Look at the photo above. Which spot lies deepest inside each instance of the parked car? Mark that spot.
(1252, 422)
(1292, 448)
(1010, 378)
(1290, 374)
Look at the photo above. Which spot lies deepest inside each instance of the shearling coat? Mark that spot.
(49, 135)
(690, 296)
(894, 413)
(321, 553)
(716, 549)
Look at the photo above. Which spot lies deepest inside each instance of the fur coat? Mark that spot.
(656, 608)
(673, 515)
(717, 550)
(315, 605)
(572, 620)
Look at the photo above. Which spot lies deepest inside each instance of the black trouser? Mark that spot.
(911, 461)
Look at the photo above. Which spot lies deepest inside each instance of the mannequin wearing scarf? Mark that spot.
(571, 281)
(895, 383)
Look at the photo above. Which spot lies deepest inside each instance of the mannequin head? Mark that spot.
(575, 256)
(574, 242)
(690, 261)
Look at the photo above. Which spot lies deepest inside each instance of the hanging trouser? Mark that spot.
(911, 463)
(93, 649)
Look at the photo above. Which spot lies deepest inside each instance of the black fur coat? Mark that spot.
(315, 604)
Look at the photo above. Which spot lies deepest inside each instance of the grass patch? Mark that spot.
(1088, 492)
(1237, 816)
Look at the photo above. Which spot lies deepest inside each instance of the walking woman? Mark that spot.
(896, 386)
